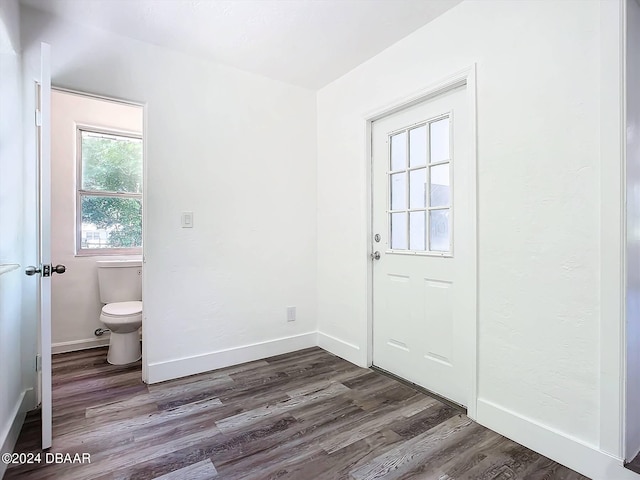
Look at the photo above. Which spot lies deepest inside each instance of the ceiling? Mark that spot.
(302, 42)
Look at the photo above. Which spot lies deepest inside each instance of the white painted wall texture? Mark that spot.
(12, 334)
(10, 225)
(538, 99)
(10, 31)
(632, 444)
(238, 150)
(10, 243)
(75, 305)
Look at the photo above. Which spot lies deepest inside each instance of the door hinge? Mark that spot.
(38, 362)
(38, 118)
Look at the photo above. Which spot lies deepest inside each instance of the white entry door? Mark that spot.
(423, 243)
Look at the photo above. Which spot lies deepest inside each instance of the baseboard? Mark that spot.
(63, 347)
(11, 431)
(182, 367)
(342, 349)
(30, 401)
(564, 449)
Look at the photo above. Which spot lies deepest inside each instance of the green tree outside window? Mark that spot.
(111, 191)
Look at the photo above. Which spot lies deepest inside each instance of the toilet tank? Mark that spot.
(120, 280)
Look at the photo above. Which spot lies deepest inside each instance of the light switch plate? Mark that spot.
(187, 220)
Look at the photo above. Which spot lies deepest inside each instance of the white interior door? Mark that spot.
(43, 270)
(423, 275)
(45, 241)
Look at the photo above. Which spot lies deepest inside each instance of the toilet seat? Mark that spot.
(122, 309)
(122, 321)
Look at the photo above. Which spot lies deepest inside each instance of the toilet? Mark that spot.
(120, 283)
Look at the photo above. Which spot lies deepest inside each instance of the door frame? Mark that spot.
(466, 78)
(143, 105)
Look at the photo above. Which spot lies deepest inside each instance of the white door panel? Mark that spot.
(423, 282)
(45, 242)
(43, 270)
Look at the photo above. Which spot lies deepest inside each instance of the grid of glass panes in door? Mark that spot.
(420, 187)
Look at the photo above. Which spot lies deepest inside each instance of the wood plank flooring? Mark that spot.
(634, 465)
(306, 415)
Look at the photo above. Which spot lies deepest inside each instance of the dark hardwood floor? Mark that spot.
(634, 465)
(307, 415)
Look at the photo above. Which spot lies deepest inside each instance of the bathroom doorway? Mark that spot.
(97, 182)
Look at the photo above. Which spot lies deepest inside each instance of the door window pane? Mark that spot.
(418, 146)
(440, 186)
(439, 144)
(399, 191)
(439, 231)
(399, 231)
(417, 231)
(418, 188)
(399, 151)
(420, 193)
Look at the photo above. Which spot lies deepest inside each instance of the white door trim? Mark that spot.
(612, 348)
(465, 77)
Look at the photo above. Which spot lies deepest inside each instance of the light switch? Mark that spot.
(187, 219)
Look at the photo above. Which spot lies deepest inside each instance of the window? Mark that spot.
(420, 187)
(109, 196)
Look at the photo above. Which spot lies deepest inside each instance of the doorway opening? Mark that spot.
(423, 241)
(97, 158)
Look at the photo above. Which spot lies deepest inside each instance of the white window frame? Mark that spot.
(85, 252)
(428, 208)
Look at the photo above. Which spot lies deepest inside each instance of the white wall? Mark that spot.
(238, 150)
(633, 231)
(539, 88)
(12, 389)
(75, 316)
(10, 31)
(10, 245)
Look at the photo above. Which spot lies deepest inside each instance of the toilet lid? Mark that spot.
(122, 308)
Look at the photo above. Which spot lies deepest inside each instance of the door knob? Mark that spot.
(375, 256)
(45, 270)
(60, 269)
(31, 270)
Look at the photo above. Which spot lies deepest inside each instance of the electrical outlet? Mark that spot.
(291, 314)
